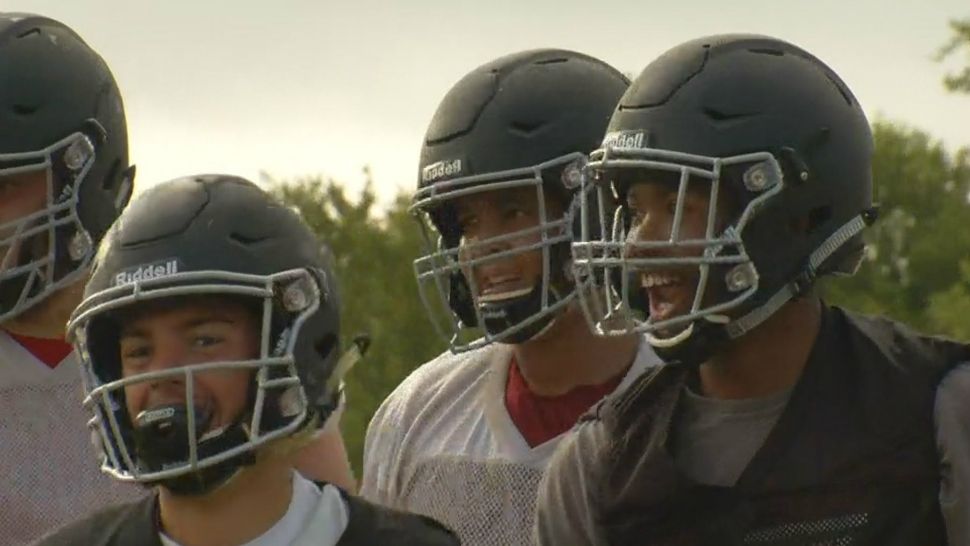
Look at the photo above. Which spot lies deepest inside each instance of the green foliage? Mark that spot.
(959, 41)
(913, 269)
(950, 309)
(374, 251)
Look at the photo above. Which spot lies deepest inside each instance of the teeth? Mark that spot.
(500, 280)
(499, 296)
(211, 434)
(651, 280)
(501, 287)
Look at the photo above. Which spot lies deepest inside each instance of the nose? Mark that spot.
(649, 228)
(166, 357)
(482, 242)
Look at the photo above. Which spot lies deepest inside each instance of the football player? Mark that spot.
(466, 437)
(64, 176)
(209, 349)
(742, 166)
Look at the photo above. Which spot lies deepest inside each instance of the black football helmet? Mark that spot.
(762, 121)
(526, 120)
(60, 114)
(209, 235)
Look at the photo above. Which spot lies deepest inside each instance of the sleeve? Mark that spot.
(382, 452)
(952, 417)
(566, 504)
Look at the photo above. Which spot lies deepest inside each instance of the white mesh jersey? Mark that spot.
(48, 467)
(444, 445)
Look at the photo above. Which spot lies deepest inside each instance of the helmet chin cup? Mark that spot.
(509, 320)
(669, 342)
(692, 346)
(162, 439)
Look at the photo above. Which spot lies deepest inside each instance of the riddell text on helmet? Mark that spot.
(624, 139)
(147, 272)
(441, 169)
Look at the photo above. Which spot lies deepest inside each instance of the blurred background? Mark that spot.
(325, 103)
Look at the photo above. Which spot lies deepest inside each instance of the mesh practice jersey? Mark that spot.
(443, 445)
(48, 466)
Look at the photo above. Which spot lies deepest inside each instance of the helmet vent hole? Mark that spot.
(717, 115)
(524, 128)
(247, 240)
(552, 61)
(325, 345)
(31, 32)
(24, 109)
(818, 217)
(767, 51)
(842, 89)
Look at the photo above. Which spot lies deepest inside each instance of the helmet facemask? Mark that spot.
(172, 445)
(465, 316)
(730, 295)
(716, 264)
(47, 249)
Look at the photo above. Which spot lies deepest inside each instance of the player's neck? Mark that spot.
(236, 513)
(767, 360)
(569, 355)
(48, 318)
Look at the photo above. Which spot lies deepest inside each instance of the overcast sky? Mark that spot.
(299, 87)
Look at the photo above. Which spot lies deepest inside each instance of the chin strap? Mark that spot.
(804, 280)
(333, 391)
(523, 318)
(357, 350)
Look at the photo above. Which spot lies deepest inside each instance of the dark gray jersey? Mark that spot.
(567, 515)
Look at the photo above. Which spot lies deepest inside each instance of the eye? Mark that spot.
(514, 211)
(204, 340)
(135, 356)
(137, 352)
(467, 222)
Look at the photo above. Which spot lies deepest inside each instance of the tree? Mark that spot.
(959, 41)
(913, 269)
(374, 253)
(949, 308)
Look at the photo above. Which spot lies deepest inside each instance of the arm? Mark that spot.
(952, 416)
(566, 504)
(325, 458)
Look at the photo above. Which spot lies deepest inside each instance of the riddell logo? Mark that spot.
(147, 272)
(441, 169)
(624, 139)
